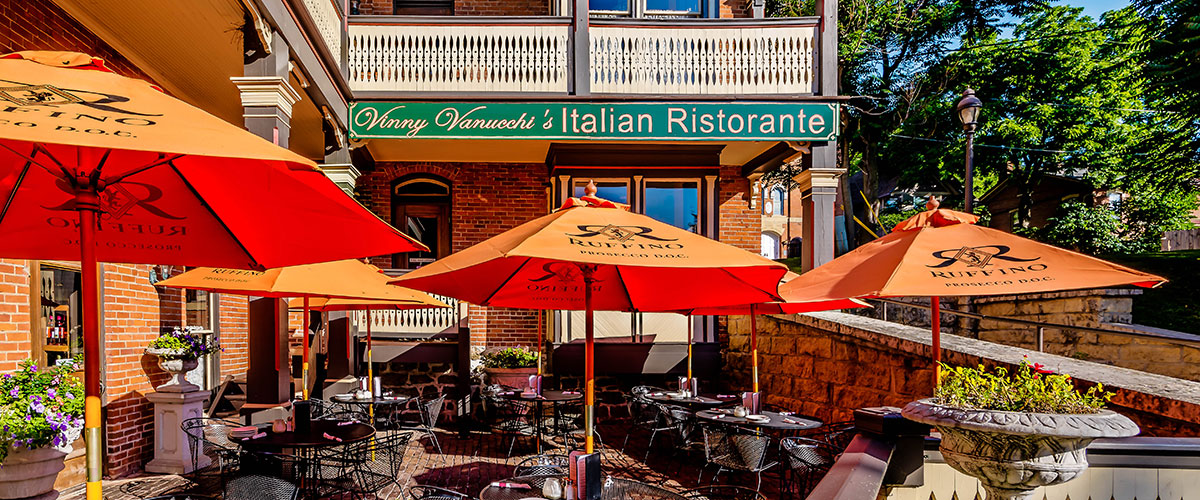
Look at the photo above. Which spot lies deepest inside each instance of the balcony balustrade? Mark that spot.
(508, 54)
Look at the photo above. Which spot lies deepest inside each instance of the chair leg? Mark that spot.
(758, 485)
(433, 436)
(512, 444)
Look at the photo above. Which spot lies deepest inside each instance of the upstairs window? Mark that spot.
(423, 7)
(646, 8)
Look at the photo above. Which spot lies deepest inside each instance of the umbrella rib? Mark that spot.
(253, 263)
(736, 277)
(12, 195)
(65, 174)
(625, 287)
(162, 159)
(505, 282)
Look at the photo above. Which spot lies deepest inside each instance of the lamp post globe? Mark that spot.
(968, 110)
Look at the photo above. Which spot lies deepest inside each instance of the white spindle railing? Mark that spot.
(459, 57)
(416, 322)
(695, 59)
(329, 24)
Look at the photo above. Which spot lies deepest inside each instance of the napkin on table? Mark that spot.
(331, 437)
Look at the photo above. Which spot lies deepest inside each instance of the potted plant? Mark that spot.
(511, 366)
(41, 414)
(177, 353)
(1016, 432)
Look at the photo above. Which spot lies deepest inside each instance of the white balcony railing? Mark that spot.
(459, 56)
(642, 59)
(328, 23)
(413, 322)
(503, 54)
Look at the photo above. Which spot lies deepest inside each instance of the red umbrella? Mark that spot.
(98, 167)
(593, 254)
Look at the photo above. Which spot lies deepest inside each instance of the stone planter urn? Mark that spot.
(512, 377)
(1013, 453)
(30, 474)
(177, 366)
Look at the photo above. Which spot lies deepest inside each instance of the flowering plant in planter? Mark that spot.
(40, 407)
(181, 344)
(512, 357)
(1017, 431)
(1032, 388)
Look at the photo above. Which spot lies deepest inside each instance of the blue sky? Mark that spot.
(1094, 8)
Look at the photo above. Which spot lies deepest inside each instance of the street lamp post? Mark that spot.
(968, 113)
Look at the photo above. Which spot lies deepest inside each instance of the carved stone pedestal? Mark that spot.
(172, 450)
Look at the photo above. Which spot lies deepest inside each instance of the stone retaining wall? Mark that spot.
(1109, 309)
(828, 364)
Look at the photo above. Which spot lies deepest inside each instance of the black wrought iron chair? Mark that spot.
(422, 492)
(428, 413)
(210, 437)
(642, 411)
(807, 461)
(374, 464)
(512, 418)
(259, 487)
(673, 421)
(837, 434)
(741, 452)
(723, 492)
(542, 465)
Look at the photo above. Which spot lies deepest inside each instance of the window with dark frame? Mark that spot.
(423, 7)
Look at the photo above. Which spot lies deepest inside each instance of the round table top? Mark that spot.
(778, 421)
(614, 489)
(314, 438)
(694, 401)
(349, 399)
(548, 396)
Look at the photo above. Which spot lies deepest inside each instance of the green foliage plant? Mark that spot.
(512, 357)
(182, 344)
(39, 406)
(1030, 389)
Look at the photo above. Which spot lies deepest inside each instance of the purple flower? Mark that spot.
(7, 375)
(70, 395)
(52, 393)
(15, 392)
(33, 368)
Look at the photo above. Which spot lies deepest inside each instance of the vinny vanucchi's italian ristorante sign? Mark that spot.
(697, 121)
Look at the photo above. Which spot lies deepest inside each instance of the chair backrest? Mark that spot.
(752, 447)
(746, 451)
(256, 487)
(422, 492)
(838, 434)
(807, 454)
(212, 432)
(542, 465)
(431, 410)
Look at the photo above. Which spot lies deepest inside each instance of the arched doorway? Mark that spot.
(421, 208)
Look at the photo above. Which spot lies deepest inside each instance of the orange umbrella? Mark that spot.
(792, 304)
(98, 167)
(339, 279)
(943, 253)
(592, 254)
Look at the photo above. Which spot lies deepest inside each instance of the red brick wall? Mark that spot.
(234, 318)
(736, 8)
(28, 25)
(488, 198)
(135, 313)
(501, 7)
(14, 313)
(738, 225)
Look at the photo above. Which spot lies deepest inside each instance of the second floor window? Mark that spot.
(646, 8)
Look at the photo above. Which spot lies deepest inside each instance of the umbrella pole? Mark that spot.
(689, 353)
(88, 203)
(540, 340)
(304, 362)
(754, 348)
(370, 366)
(935, 323)
(589, 362)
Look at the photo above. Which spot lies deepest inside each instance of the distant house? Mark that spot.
(1050, 192)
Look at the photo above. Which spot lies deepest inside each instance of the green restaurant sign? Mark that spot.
(688, 121)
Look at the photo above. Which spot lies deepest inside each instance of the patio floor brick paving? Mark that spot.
(468, 464)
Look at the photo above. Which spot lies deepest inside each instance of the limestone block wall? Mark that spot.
(828, 364)
(1109, 309)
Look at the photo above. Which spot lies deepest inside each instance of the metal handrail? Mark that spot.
(1042, 326)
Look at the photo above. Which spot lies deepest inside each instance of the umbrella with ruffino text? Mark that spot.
(942, 252)
(95, 166)
(593, 254)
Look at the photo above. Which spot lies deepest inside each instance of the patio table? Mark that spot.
(694, 402)
(553, 397)
(614, 488)
(387, 405)
(778, 422)
(306, 446)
